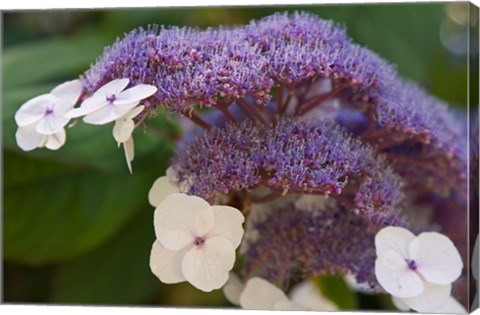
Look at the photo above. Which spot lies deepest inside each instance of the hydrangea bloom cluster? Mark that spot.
(291, 237)
(315, 139)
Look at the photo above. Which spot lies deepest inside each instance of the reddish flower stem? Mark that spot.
(196, 119)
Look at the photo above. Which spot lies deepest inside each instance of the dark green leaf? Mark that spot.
(35, 62)
(53, 212)
(116, 273)
(335, 289)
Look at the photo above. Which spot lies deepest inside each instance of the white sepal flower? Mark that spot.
(259, 294)
(122, 132)
(307, 294)
(129, 149)
(42, 119)
(419, 270)
(162, 187)
(233, 288)
(125, 125)
(112, 101)
(452, 306)
(196, 242)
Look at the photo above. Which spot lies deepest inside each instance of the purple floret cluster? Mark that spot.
(293, 239)
(295, 108)
(294, 156)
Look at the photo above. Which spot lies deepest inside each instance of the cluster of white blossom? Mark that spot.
(41, 120)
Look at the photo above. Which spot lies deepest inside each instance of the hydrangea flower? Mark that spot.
(452, 306)
(41, 120)
(259, 294)
(111, 102)
(195, 242)
(418, 270)
(316, 138)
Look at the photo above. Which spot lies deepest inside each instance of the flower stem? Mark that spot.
(196, 119)
(252, 108)
(316, 101)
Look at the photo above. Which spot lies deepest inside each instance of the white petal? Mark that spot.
(27, 138)
(135, 112)
(70, 89)
(437, 259)
(396, 277)
(56, 141)
(51, 123)
(34, 109)
(123, 129)
(88, 106)
(433, 298)
(228, 224)
(233, 288)
(393, 238)
(113, 87)
(286, 305)
(452, 307)
(161, 188)
(166, 264)
(398, 302)
(63, 106)
(99, 100)
(129, 149)
(307, 294)
(174, 219)
(206, 267)
(259, 294)
(108, 113)
(171, 174)
(203, 223)
(135, 94)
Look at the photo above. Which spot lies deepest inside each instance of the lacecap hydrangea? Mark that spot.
(315, 139)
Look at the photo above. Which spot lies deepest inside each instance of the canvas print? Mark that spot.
(317, 157)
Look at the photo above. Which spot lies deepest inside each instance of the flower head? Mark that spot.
(260, 294)
(188, 66)
(195, 242)
(295, 156)
(42, 119)
(111, 102)
(419, 270)
(288, 241)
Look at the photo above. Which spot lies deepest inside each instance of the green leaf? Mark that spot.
(335, 289)
(39, 61)
(116, 273)
(56, 211)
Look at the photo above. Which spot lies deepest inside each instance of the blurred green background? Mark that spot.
(77, 228)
